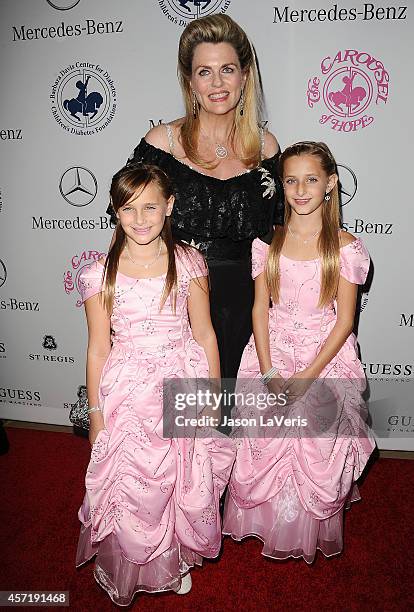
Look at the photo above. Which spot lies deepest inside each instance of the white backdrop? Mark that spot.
(337, 72)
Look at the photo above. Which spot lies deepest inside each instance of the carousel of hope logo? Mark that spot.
(71, 276)
(352, 85)
(83, 98)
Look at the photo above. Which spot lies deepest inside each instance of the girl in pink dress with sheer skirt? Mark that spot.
(151, 508)
(290, 487)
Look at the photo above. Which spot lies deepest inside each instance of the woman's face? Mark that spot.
(217, 78)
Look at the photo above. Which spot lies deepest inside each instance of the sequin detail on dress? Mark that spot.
(290, 490)
(151, 506)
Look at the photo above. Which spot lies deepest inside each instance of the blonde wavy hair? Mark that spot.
(245, 132)
(328, 241)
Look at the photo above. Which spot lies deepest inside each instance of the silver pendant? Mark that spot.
(221, 151)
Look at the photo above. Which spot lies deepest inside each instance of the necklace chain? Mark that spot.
(220, 151)
(147, 265)
(292, 233)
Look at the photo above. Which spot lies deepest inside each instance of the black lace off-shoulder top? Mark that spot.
(220, 216)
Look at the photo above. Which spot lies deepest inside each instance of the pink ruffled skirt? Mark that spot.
(285, 527)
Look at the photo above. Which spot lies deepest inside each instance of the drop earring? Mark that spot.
(327, 197)
(242, 102)
(194, 105)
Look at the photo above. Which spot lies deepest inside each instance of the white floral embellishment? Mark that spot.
(268, 182)
(192, 243)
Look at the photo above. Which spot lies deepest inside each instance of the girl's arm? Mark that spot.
(261, 322)
(261, 332)
(346, 303)
(203, 332)
(99, 346)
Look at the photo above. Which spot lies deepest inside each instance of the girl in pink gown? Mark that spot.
(289, 487)
(151, 508)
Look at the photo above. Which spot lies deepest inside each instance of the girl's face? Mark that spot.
(142, 217)
(306, 183)
(217, 78)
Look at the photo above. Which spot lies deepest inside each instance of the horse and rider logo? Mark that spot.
(192, 9)
(84, 105)
(83, 98)
(347, 92)
(351, 86)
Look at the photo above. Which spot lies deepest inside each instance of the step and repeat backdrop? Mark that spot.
(84, 80)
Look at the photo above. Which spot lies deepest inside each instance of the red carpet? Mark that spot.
(42, 488)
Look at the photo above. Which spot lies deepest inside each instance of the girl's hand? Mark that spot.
(95, 427)
(297, 385)
(276, 384)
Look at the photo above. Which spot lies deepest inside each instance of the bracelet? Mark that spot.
(94, 409)
(268, 375)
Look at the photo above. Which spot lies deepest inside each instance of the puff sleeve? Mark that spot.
(259, 256)
(354, 262)
(191, 262)
(198, 265)
(90, 280)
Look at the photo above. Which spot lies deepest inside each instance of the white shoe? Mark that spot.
(186, 584)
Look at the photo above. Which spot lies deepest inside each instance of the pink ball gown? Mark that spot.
(291, 490)
(151, 508)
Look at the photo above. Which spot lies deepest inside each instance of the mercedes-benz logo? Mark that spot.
(348, 184)
(78, 186)
(3, 273)
(63, 5)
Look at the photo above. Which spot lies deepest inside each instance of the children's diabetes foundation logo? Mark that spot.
(351, 86)
(181, 12)
(83, 98)
(71, 276)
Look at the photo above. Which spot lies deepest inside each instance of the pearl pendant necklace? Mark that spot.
(147, 265)
(307, 239)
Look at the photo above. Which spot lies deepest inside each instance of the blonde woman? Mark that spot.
(223, 165)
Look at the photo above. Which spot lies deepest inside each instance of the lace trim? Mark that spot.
(170, 138)
(262, 143)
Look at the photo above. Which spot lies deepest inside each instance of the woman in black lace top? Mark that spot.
(224, 167)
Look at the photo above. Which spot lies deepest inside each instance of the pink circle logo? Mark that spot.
(352, 84)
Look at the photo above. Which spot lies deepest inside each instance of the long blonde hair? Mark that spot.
(124, 184)
(328, 241)
(245, 132)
